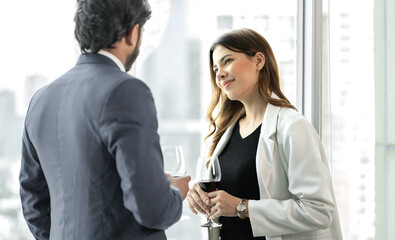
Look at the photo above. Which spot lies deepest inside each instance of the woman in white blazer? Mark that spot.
(294, 186)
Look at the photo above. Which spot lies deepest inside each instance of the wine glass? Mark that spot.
(174, 161)
(208, 175)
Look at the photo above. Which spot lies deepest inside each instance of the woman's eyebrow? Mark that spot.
(223, 58)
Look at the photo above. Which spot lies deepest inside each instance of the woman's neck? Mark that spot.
(254, 112)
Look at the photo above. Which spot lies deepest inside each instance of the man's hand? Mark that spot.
(181, 183)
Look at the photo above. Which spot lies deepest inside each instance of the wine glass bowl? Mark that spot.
(208, 175)
(174, 161)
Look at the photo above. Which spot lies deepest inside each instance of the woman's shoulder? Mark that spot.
(289, 114)
(289, 119)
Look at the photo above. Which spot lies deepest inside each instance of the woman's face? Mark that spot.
(236, 73)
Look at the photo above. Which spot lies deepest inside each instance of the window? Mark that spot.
(38, 46)
(173, 61)
(350, 115)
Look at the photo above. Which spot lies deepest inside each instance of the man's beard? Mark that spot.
(131, 58)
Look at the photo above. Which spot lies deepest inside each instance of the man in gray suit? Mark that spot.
(92, 165)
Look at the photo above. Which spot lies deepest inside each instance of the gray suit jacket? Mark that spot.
(92, 165)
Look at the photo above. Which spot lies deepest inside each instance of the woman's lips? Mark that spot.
(226, 83)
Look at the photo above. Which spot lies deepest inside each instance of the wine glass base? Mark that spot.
(211, 224)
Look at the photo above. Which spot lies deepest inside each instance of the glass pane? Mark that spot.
(351, 106)
(174, 63)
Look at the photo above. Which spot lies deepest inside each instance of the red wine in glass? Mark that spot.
(209, 186)
(208, 174)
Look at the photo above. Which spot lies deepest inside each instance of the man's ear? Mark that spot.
(260, 60)
(133, 36)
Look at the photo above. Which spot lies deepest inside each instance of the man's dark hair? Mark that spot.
(101, 23)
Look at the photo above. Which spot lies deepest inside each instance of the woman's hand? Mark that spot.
(222, 204)
(198, 200)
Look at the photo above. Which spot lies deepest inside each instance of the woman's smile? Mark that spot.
(227, 83)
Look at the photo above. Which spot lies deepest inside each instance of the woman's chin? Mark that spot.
(231, 97)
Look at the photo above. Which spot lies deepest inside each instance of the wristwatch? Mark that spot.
(241, 209)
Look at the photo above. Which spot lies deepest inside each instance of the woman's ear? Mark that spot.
(260, 60)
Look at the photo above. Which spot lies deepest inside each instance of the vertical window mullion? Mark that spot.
(310, 63)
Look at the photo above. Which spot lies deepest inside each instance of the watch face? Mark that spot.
(241, 207)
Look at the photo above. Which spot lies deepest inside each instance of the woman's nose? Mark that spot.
(221, 75)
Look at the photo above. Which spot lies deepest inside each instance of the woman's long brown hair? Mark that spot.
(249, 42)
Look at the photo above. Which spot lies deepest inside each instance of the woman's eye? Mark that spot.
(226, 61)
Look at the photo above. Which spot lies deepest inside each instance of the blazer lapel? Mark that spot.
(264, 154)
(224, 140)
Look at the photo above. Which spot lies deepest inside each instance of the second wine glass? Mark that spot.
(174, 161)
(208, 175)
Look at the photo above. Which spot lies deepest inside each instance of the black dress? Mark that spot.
(239, 179)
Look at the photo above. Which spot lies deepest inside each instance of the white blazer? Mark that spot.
(297, 200)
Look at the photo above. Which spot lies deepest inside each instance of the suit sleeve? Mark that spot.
(129, 129)
(34, 191)
(309, 182)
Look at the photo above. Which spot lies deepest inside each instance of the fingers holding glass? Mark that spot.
(198, 199)
(208, 175)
